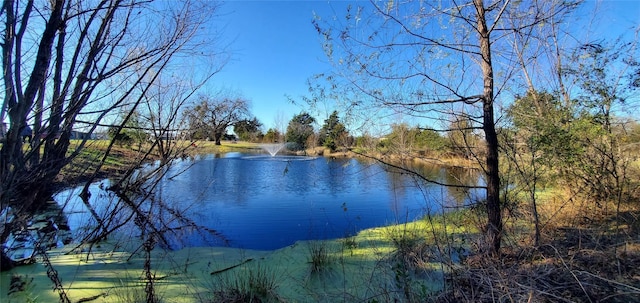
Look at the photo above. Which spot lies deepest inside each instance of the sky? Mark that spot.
(275, 49)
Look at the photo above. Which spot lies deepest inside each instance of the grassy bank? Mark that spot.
(121, 158)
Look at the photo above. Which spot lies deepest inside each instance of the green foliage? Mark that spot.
(248, 130)
(299, 130)
(575, 141)
(399, 139)
(135, 128)
(543, 124)
(131, 132)
(414, 139)
(462, 139)
(120, 138)
(527, 111)
(547, 143)
(272, 136)
(365, 141)
(333, 132)
(606, 74)
(428, 139)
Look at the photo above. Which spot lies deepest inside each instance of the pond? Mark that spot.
(255, 201)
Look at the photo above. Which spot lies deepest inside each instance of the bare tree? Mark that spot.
(280, 125)
(211, 117)
(74, 63)
(163, 114)
(431, 60)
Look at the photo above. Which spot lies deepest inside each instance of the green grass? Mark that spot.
(209, 147)
(320, 257)
(249, 284)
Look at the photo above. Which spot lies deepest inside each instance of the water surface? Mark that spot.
(255, 201)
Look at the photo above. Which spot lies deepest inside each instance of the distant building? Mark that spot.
(78, 135)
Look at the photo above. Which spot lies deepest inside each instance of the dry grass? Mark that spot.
(588, 253)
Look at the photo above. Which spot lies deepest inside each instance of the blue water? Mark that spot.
(255, 201)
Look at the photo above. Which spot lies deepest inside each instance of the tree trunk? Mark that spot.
(18, 180)
(494, 213)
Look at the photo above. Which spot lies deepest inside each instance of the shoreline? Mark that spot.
(355, 266)
(379, 264)
(347, 258)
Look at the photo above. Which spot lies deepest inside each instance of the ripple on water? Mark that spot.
(278, 158)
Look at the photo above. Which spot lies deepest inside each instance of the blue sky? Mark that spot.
(275, 49)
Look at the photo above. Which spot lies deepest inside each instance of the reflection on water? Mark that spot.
(263, 202)
(47, 229)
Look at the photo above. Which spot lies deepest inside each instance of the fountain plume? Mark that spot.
(272, 148)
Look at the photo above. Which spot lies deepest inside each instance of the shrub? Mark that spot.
(252, 285)
(320, 256)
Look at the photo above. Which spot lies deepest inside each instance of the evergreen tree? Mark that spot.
(272, 136)
(333, 132)
(248, 129)
(300, 128)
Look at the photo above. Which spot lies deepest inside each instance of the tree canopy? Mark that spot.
(299, 129)
(248, 129)
(210, 118)
(333, 133)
